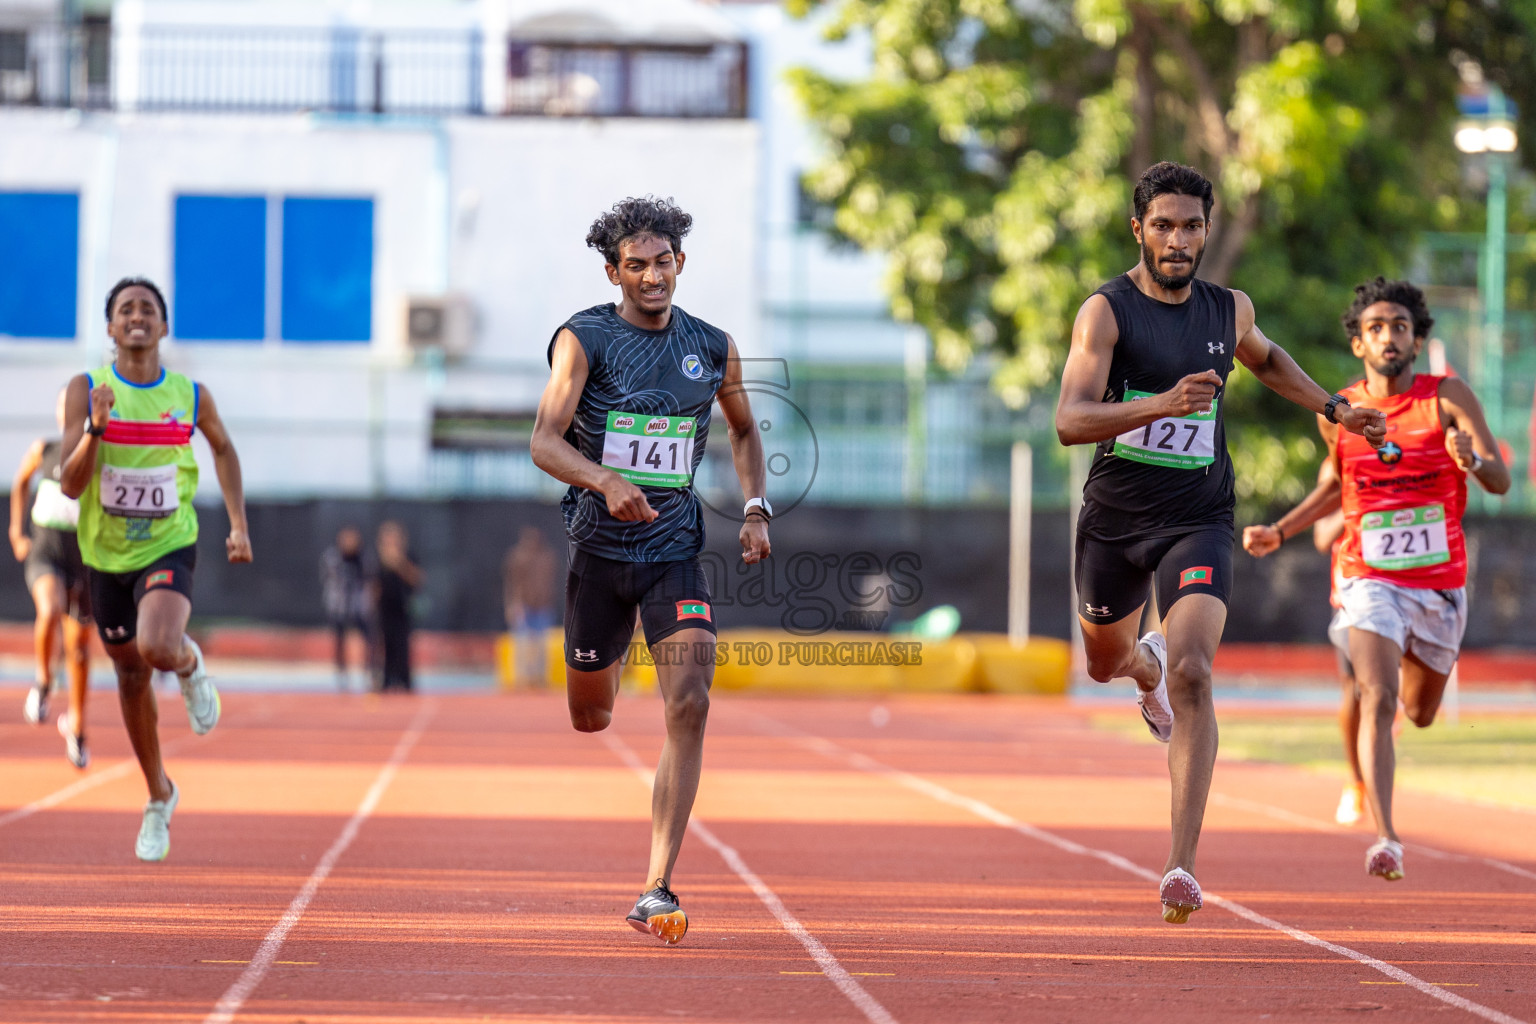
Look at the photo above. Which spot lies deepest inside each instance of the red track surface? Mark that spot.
(959, 863)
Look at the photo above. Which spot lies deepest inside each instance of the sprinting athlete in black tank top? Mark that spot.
(624, 421)
(1145, 383)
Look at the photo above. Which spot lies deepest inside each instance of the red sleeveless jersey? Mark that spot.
(1403, 503)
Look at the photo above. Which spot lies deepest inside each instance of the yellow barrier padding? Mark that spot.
(773, 661)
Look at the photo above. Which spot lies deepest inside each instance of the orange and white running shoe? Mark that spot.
(658, 912)
(1385, 860)
(1351, 804)
(1180, 895)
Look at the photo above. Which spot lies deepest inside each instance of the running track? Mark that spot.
(469, 858)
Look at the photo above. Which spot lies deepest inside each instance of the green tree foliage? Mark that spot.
(992, 151)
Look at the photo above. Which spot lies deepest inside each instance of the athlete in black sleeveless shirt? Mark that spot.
(1145, 383)
(56, 580)
(624, 421)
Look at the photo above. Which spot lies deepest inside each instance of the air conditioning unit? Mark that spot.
(444, 324)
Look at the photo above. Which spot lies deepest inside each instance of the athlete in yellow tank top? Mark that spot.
(128, 456)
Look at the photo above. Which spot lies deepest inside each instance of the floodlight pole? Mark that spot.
(1020, 511)
(1494, 244)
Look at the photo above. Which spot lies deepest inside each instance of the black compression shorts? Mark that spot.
(1113, 580)
(115, 596)
(57, 553)
(603, 597)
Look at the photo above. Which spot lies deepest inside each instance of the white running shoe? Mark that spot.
(1385, 860)
(74, 746)
(1155, 709)
(35, 710)
(198, 693)
(1351, 804)
(155, 834)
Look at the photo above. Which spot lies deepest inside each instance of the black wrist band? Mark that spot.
(760, 514)
(92, 429)
(1276, 527)
(1332, 406)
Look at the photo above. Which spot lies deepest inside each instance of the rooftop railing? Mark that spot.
(350, 70)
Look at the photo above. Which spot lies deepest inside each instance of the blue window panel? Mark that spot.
(221, 268)
(327, 269)
(39, 263)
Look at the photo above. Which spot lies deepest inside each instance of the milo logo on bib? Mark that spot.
(1178, 442)
(652, 451)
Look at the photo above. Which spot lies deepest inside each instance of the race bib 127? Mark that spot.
(1182, 442)
(651, 451)
(140, 493)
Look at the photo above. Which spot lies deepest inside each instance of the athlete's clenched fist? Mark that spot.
(1192, 394)
(627, 503)
(102, 401)
(1458, 443)
(1370, 424)
(754, 540)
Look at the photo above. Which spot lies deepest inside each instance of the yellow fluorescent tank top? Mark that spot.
(138, 505)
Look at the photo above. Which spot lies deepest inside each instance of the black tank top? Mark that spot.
(668, 373)
(1152, 482)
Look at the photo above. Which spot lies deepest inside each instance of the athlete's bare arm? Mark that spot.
(226, 465)
(1466, 433)
(1325, 499)
(81, 401)
(558, 457)
(1082, 415)
(1276, 370)
(21, 487)
(746, 453)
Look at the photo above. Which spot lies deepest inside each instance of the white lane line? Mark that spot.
(835, 972)
(1319, 825)
(95, 779)
(989, 813)
(68, 792)
(225, 1009)
(91, 781)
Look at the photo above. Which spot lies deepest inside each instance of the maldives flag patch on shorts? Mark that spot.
(693, 610)
(160, 578)
(1194, 574)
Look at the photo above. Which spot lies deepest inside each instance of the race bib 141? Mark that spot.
(1404, 538)
(651, 451)
(140, 493)
(1181, 442)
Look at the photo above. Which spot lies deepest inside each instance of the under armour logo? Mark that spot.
(1216, 348)
(1096, 611)
(582, 655)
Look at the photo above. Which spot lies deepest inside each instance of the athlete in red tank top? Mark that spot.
(1403, 503)
(1402, 599)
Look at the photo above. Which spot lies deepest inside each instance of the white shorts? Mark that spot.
(1428, 624)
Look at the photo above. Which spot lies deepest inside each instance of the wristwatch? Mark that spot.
(759, 505)
(1333, 403)
(92, 429)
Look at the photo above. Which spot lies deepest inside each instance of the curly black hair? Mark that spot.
(136, 282)
(633, 218)
(1169, 178)
(1382, 290)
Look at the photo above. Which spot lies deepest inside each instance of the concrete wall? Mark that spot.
(494, 208)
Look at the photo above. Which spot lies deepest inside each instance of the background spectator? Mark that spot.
(397, 580)
(528, 592)
(344, 593)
